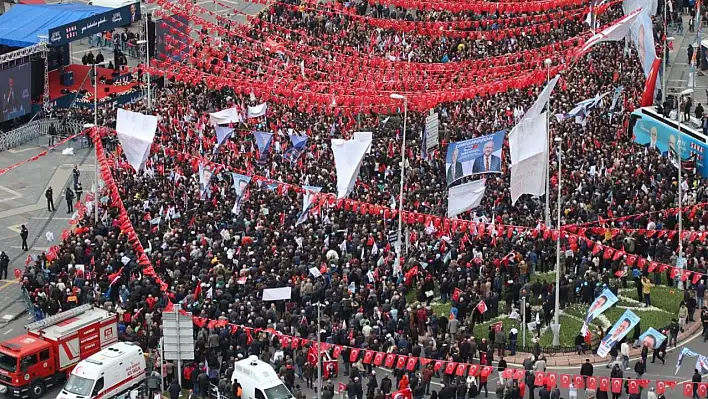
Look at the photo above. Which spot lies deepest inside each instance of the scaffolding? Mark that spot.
(28, 53)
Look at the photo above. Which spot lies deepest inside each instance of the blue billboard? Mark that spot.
(474, 156)
(662, 135)
(86, 27)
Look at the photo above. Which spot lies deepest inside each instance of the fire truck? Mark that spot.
(52, 347)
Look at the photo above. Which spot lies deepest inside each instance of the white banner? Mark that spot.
(613, 33)
(465, 197)
(528, 138)
(135, 133)
(277, 294)
(230, 115)
(257, 111)
(367, 137)
(528, 177)
(347, 160)
(542, 99)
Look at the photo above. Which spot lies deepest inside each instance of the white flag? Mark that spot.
(347, 161)
(135, 133)
(465, 197)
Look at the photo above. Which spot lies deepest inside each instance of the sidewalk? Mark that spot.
(679, 68)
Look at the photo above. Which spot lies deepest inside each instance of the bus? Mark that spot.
(650, 128)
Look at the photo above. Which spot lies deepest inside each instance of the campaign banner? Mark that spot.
(621, 328)
(598, 306)
(652, 338)
(664, 138)
(464, 197)
(642, 34)
(474, 156)
(102, 22)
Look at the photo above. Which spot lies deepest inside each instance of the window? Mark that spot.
(98, 387)
(28, 361)
(78, 385)
(44, 355)
(8, 362)
(259, 394)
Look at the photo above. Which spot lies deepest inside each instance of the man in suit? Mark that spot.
(133, 13)
(487, 162)
(454, 171)
(624, 325)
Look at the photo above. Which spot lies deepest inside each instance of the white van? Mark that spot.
(258, 380)
(107, 373)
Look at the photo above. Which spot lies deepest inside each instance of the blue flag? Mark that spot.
(263, 140)
(307, 198)
(240, 183)
(223, 133)
(298, 147)
(684, 352)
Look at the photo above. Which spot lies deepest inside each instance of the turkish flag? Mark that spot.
(438, 365)
(354, 355)
(688, 389)
(378, 358)
(401, 362)
(518, 374)
(591, 383)
(450, 368)
(551, 380)
(565, 380)
(604, 384)
(342, 387)
(538, 380)
(461, 368)
(579, 381)
(336, 351)
(633, 386)
(702, 390)
(508, 373)
(368, 357)
(473, 370)
(486, 371)
(660, 387)
(411, 363)
(616, 385)
(390, 359)
(403, 394)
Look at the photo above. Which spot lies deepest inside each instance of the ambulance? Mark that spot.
(50, 349)
(258, 380)
(106, 374)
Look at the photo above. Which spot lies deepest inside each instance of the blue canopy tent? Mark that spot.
(24, 24)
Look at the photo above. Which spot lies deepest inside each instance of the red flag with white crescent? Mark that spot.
(337, 351)
(411, 363)
(403, 394)
(565, 380)
(591, 383)
(378, 358)
(473, 370)
(633, 386)
(460, 370)
(401, 362)
(688, 389)
(438, 365)
(551, 380)
(660, 387)
(616, 385)
(390, 359)
(450, 368)
(368, 357)
(579, 381)
(538, 379)
(604, 384)
(354, 355)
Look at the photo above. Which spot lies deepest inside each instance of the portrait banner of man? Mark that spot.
(621, 328)
(474, 156)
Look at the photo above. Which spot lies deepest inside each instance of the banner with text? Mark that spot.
(474, 156)
(102, 22)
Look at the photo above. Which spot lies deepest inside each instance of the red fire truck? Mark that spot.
(52, 347)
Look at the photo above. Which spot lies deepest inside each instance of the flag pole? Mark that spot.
(556, 315)
(548, 152)
(319, 352)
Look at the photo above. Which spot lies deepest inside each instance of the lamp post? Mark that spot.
(399, 241)
(686, 92)
(95, 124)
(666, 64)
(556, 313)
(147, 71)
(548, 63)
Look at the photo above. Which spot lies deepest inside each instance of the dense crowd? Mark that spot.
(216, 262)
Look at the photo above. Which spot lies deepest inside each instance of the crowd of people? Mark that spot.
(216, 261)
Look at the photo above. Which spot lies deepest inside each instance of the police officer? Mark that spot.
(69, 200)
(50, 199)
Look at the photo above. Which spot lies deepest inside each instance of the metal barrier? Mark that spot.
(36, 128)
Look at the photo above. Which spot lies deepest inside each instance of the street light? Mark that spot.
(147, 65)
(548, 63)
(399, 242)
(95, 124)
(678, 155)
(665, 66)
(556, 333)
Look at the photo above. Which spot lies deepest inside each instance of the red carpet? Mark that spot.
(80, 72)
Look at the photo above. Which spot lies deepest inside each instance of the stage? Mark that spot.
(80, 72)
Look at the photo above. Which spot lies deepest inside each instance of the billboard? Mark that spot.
(102, 22)
(474, 156)
(663, 136)
(172, 46)
(622, 327)
(642, 34)
(15, 89)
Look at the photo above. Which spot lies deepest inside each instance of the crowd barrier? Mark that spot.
(36, 128)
